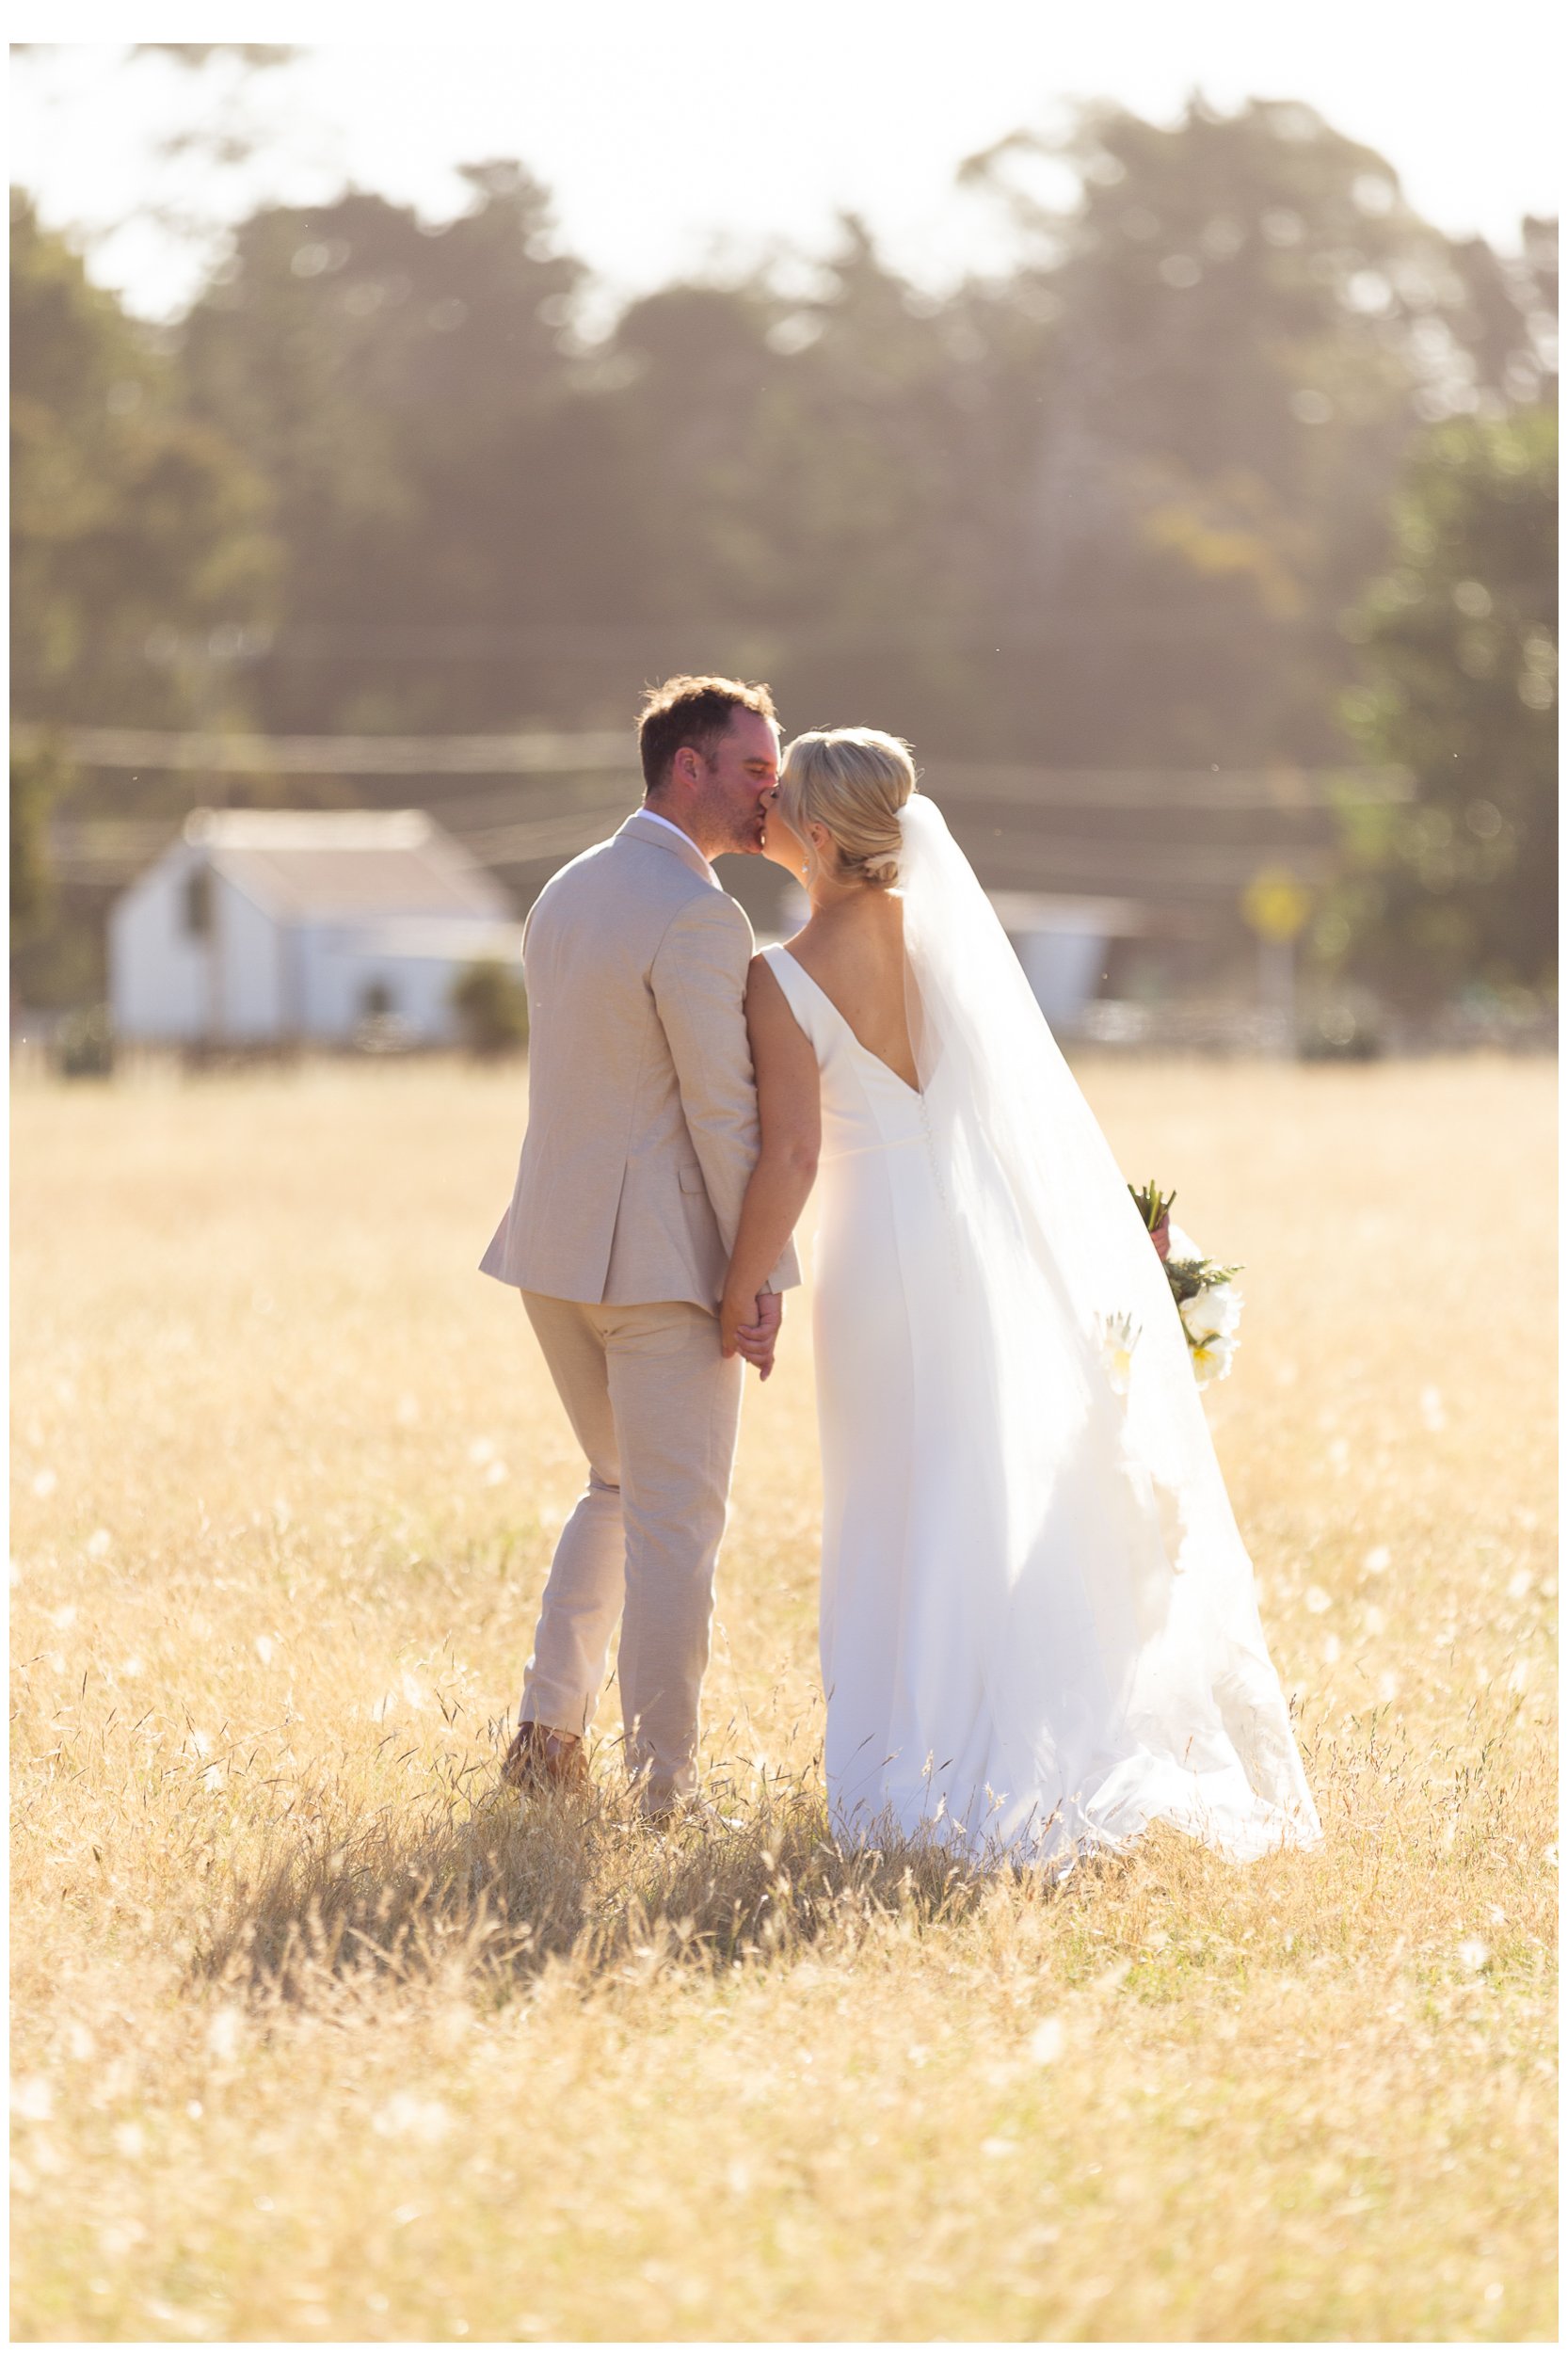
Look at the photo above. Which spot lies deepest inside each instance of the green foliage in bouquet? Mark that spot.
(1154, 1207)
(1186, 1276)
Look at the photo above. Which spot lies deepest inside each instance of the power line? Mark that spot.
(609, 754)
(770, 639)
(339, 755)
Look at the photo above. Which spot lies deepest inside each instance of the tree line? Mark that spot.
(1237, 461)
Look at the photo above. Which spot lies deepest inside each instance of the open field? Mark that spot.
(317, 2038)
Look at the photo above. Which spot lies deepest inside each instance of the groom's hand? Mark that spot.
(748, 1327)
(759, 1338)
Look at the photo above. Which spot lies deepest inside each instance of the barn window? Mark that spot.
(199, 903)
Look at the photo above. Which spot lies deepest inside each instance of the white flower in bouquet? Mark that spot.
(1211, 1357)
(1205, 1297)
(1118, 1339)
(1213, 1313)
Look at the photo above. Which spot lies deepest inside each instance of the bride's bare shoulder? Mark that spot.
(778, 1042)
(763, 983)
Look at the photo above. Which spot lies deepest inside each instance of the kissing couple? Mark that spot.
(1039, 1627)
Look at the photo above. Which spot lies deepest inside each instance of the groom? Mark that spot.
(642, 1131)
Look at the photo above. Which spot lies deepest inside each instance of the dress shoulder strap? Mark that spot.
(805, 999)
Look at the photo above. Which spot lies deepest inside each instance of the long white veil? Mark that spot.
(1103, 1555)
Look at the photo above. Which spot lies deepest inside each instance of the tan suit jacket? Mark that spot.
(642, 1108)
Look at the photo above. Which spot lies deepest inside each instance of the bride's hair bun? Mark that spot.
(854, 782)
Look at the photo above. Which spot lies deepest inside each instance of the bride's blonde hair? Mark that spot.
(854, 782)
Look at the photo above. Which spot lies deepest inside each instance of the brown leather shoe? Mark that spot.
(539, 1758)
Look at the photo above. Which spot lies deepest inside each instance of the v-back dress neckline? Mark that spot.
(842, 1020)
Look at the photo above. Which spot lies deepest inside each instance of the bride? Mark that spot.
(1039, 1631)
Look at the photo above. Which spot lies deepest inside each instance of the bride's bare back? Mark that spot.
(855, 953)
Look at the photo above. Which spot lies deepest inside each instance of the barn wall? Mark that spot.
(339, 972)
(1062, 969)
(419, 987)
(252, 953)
(159, 974)
(325, 1010)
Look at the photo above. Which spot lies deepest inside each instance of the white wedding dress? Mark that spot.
(1039, 1631)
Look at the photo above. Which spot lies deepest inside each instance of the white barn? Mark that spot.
(269, 926)
(1062, 944)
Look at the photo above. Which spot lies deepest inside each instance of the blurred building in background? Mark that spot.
(278, 927)
(258, 925)
(1063, 946)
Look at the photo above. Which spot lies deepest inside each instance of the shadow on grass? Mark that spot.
(501, 1888)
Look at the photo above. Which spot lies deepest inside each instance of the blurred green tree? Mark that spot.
(1249, 322)
(139, 537)
(491, 1005)
(132, 525)
(822, 468)
(55, 943)
(1458, 651)
(37, 775)
(408, 391)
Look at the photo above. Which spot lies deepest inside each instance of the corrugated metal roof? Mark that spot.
(345, 862)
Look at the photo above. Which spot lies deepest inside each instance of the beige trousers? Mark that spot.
(656, 1410)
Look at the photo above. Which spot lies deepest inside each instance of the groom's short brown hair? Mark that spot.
(695, 711)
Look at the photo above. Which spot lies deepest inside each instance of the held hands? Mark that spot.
(748, 1327)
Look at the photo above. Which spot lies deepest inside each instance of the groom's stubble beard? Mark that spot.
(748, 831)
(735, 825)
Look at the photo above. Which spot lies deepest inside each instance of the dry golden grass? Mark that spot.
(319, 2038)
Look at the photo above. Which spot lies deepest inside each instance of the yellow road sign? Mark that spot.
(1275, 904)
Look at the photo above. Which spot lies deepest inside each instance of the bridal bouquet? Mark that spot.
(1204, 1292)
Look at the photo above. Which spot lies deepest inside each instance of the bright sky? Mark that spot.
(692, 131)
